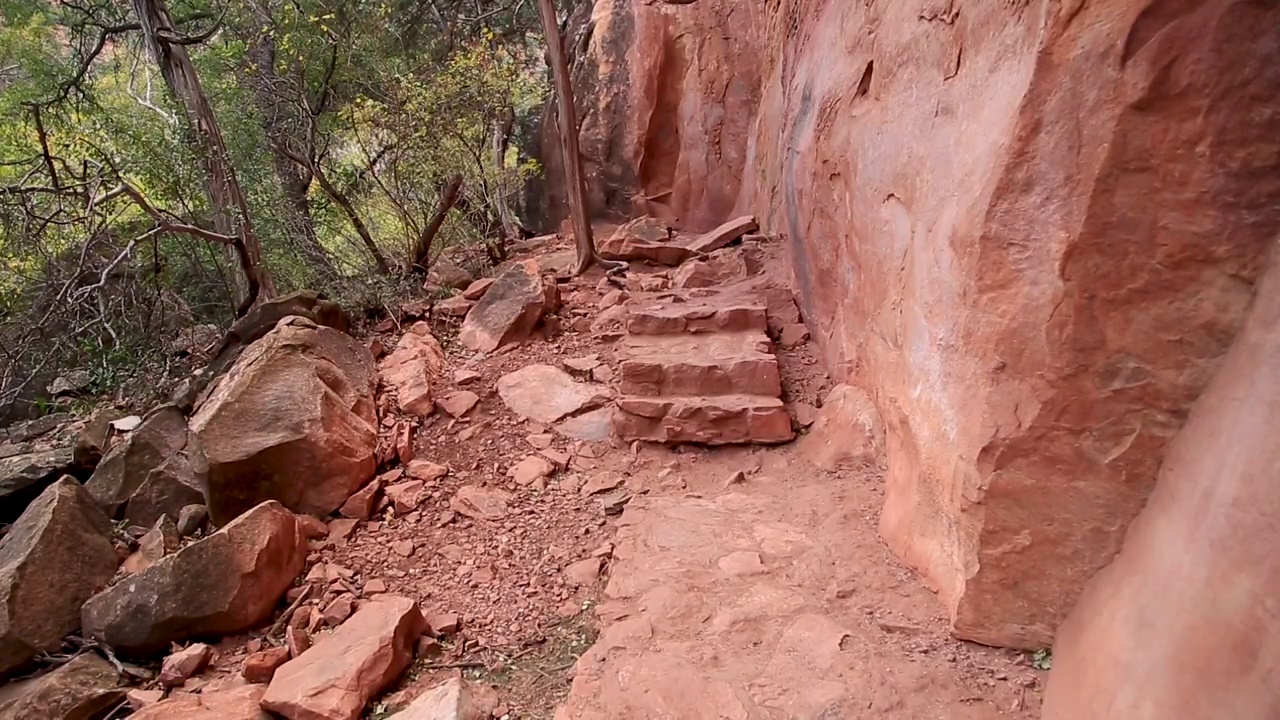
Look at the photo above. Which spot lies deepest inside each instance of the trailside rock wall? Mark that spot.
(1182, 624)
(1029, 230)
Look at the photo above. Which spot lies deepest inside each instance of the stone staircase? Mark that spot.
(696, 366)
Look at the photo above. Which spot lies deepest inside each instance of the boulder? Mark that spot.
(53, 559)
(94, 438)
(226, 583)
(336, 677)
(510, 310)
(231, 703)
(170, 487)
(126, 466)
(695, 274)
(159, 541)
(720, 237)
(75, 382)
(292, 421)
(412, 370)
(547, 394)
(86, 688)
(448, 274)
(645, 238)
(25, 475)
(261, 666)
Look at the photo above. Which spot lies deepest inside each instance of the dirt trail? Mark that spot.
(771, 597)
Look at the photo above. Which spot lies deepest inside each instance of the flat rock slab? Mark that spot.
(704, 364)
(547, 394)
(723, 235)
(593, 425)
(53, 559)
(238, 703)
(647, 239)
(225, 583)
(717, 420)
(670, 314)
(337, 676)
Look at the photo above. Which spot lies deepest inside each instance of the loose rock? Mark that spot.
(412, 369)
(236, 703)
(261, 666)
(510, 309)
(547, 394)
(84, 688)
(184, 664)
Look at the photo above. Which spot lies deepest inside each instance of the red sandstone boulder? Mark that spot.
(292, 421)
(85, 688)
(720, 237)
(336, 677)
(510, 309)
(261, 666)
(645, 238)
(477, 289)
(53, 559)
(412, 370)
(170, 487)
(234, 703)
(450, 700)
(225, 583)
(128, 465)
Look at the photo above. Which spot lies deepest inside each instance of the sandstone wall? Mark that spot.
(1029, 229)
(1182, 624)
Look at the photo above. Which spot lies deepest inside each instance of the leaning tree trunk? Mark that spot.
(230, 211)
(568, 129)
(421, 255)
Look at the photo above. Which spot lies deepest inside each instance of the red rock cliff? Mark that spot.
(1030, 229)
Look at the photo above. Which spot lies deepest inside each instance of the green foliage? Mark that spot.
(387, 98)
(1042, 659)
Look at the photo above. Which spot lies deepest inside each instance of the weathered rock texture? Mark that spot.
(1029, 229)
(54, 558)
(1182, 624)
(511, 308)
(225, 583)
(126, 467)
(86, 688)
(292, 421)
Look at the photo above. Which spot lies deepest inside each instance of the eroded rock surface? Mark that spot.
(412, 370)
(510, 309)
(292, 421)
(1034, 306)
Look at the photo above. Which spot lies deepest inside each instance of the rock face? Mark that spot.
(1033, 307)
(1180, 625)
(510, 309)
(225, 583)
(340, 673)
(292, 421)
(412, 369)
(52, 560)
(84, 689)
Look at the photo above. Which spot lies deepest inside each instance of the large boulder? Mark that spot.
(1034, 306)
(1182, 624)
(225, 583)
(25, 475)
(167, 489)
(413, 369)
(293, 421)
(125, 467)
(337, 676)
(54, 558)
(86, 688)
(510, 309)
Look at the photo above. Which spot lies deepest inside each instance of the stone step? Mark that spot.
(718, 420)
(738, 363)
(672, 314)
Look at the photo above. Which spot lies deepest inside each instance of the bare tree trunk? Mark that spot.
(348, 209)
(568, 128)
(422, 248)
(501, 141)
(295, 180)
(230, 211)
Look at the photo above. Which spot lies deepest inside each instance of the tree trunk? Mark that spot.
(568, 129)
(230, 211)
(353, 217)
(422, 248)
(295, 181)
(501, 141)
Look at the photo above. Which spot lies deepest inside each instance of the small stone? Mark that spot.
(458, 403)
(735, 478)
(126, 424)
(531, 469)
(581, 366)
(191, 518)
(444, 623)
(403, 548)
(297, 640)
(602, 374)
(541, 441)
(372, 587)
(602, 482)
(568, 609)
(805, 414)
(312, 529)
(180, 666)
(406, 497)
(139, 698)
(261, 666)
(584, 573)
(360, 505)
(615, 297)
(339, 610)
(477, 289)
(558, 458)
(342, 529)
(793, 335)
(153, 546)
(604, 551)
(464, 377)
(426, 470)
(456, 306)
(428, 647)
